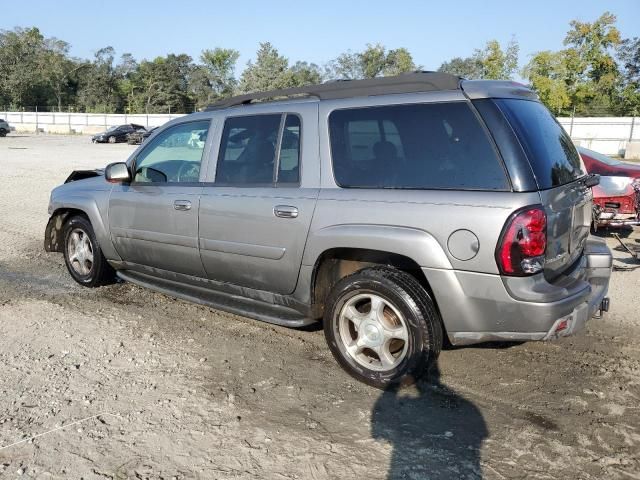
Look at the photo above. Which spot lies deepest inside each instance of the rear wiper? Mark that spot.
(590, 180)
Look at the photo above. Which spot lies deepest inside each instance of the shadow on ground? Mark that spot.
(434, 431)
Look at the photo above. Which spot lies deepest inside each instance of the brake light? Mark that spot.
(523, 242)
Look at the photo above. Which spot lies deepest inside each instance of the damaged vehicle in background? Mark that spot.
(139, 136)
(616, 200)
(117, 133)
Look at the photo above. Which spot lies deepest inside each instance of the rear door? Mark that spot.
(558, 170)
(257, 205)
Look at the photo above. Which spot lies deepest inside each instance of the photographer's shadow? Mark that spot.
(436, 434)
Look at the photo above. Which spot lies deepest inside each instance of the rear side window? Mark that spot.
(418, 146)
(549, 148)
(260, 149)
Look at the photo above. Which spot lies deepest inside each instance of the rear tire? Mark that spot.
(3, 132)
(83, 256)
(382, 327)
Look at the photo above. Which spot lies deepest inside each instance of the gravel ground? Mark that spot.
(121, 382)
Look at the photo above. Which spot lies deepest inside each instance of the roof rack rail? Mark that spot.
(405, 83)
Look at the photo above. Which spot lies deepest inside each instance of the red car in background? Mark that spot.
(606, 166)
(616, 200)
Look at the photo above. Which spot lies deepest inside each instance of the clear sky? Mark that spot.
(434, 31)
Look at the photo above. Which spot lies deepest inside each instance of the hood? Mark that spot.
(92, 183)
(77, 175)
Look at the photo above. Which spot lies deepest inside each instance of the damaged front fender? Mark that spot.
(53, 240)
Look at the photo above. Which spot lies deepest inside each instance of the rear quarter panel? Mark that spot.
(414, 223)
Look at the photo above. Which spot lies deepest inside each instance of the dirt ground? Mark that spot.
(120, 382)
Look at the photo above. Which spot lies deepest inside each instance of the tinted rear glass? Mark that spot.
(418, 146)
(551, 153)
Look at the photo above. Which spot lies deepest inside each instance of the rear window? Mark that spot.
(552, 155)
(418, 146)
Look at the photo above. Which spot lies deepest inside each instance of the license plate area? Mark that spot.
(580, 225)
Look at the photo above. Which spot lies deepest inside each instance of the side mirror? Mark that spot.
(117, 173)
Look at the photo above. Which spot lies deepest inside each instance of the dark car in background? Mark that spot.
(4, 128)
(137, 137)
(117, 133)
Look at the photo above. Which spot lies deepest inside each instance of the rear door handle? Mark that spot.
(182, 205)
(285, 211)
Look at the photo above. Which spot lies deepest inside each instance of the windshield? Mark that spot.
(111, 129)
(552, 155)
(599, 156)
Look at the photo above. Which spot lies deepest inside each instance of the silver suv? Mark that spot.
(399, 211)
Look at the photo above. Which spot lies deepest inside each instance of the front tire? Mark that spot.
(382, 327)
(112, 139)
(83, 256)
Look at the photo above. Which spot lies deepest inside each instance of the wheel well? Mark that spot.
(337, 263)
(53, 241)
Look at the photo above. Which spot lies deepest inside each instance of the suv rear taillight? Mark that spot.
(523, 242)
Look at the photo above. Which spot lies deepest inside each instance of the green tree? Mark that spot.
(492, 62)
(98, 85)
(373, 61)
(399, 61)
(268, 72)
(22, 65)
(469, 67)
(629, 57)
(162, 85)
(499, 64)
(303, 73)
(213, 78)
(219, 65)
(547, 74)
(591, 48)
(60, 71)
(271, 71)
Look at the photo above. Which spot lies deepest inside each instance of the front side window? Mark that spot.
(417, 146)
(259, 149)
(174, 155)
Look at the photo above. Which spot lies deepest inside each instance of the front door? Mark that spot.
(154, 219)
(256, 209)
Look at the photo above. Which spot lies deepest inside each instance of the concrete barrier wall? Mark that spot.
(608, 135)
(82, 123)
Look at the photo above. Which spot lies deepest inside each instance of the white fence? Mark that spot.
(83, 123)
(608, 135)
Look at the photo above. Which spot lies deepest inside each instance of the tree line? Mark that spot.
(597, 72)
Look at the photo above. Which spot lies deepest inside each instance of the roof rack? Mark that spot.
(405, 83)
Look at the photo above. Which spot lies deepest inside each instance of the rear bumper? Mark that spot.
(611, 219)
(479, 307)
